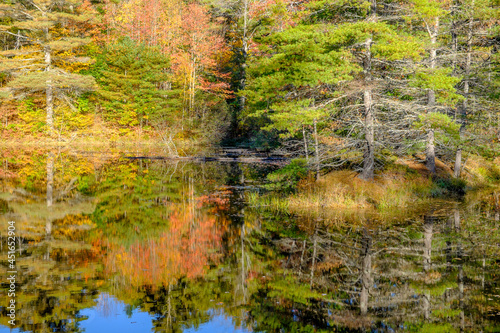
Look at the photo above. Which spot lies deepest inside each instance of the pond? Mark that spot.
(105, 243)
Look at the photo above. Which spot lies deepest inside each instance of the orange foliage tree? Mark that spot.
(184, 33)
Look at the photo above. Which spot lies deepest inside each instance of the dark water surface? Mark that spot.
(108, 244)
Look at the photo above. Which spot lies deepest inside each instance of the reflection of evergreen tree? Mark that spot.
(192, 250)
(56, 272)
(420, 275)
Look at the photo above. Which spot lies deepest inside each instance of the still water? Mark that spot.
(110, 244)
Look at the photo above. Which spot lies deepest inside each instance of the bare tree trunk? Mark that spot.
(49, 93)
(369, 154)
(302, 257)
(428, 227)
(454, 48)
(192, 88)
(49, 90)
(458, 161)
(369, 157)
(454, 39)
(460, 277)
(463, 109)
(431, 99)
(185, 104)
(169, 308)
(306, 148)
(243, 268)
(50, 178)
(315, 246)
(49, 196)
(430, 153)
(18, 41)
(449, 257)
(316, 149)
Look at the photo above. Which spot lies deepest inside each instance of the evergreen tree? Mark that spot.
(131, 83)
(287, 86)
(309, 62)
(43, 44)
(386, 53)
(434, 76)
(473, 20)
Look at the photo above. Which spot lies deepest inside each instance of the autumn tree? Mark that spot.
(195, 58)
(188, 36)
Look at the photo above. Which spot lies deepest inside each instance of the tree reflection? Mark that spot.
(187, 248)
(178, 241)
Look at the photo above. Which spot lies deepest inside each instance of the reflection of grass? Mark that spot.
(147, 143)
(274, 203)
(433, 283)
(40, 211)
(446, 313)
(430, 328)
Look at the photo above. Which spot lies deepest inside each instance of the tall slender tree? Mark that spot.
(434, 77)
(130, 81)
(474, 47)
(44, 42)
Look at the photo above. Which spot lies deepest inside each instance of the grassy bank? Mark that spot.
(403, 186)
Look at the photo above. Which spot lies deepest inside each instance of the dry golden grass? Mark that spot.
(478, 171)
(345, 190)
(404, 186)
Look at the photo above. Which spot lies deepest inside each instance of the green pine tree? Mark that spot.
(131, 83)
(310, 64)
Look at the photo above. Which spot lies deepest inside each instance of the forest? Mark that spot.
(250, 165)
(339, 83)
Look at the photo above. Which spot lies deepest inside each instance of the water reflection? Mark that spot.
(107, 244)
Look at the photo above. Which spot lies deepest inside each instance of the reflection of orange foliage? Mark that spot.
(220, 199)
(185, 249)
(81, 258)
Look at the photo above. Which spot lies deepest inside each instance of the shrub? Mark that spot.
(452, 185)
(287, 178)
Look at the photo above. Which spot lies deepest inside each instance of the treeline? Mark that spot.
(341, 82)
